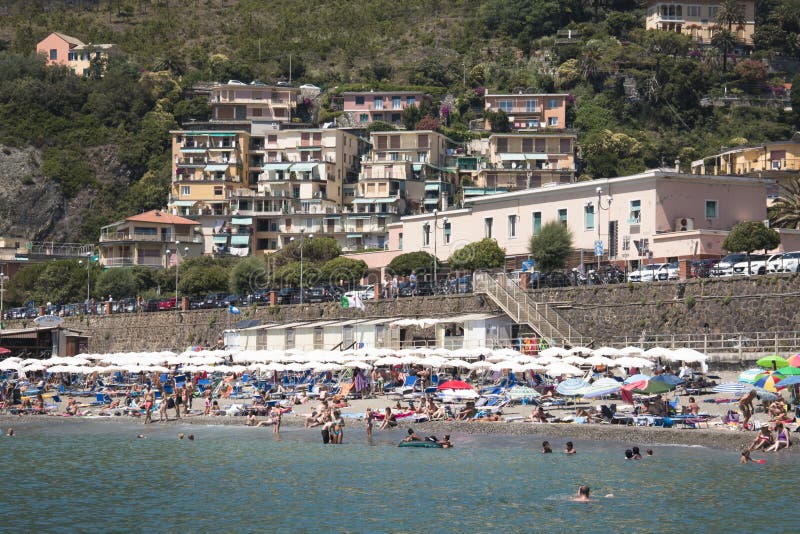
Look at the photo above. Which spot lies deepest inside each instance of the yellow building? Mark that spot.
(770, 160)
(697, 19)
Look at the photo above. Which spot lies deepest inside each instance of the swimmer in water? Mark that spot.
(546, 447)
(583, 494)
(10, 433)
(191, 437)
(747, 459)
(570, 449)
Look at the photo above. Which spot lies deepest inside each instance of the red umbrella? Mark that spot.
(454, 384)
(4, 350)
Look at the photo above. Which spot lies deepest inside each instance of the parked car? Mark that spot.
(196, 303)
(758, 264)
(701, 268)
(646, 273)
(669, 271)
(150, 305)
(555, 279)
(166, 304)
(231, 300)
(214, 300)
(286, 295)
(788, 262)
(724, 267)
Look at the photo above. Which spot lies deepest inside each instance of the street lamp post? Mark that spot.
(2, 291)
(600, 207)
(302, 243)
(88, 273)
(436, 227)
(177, 258)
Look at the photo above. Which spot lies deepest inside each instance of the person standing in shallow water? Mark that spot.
(149, 399)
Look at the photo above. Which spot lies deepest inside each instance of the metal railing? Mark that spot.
(522, 309)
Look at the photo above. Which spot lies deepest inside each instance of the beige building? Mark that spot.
(62, 49)
(236, 101)
(144, 239)
(697, 19)
(529, 110)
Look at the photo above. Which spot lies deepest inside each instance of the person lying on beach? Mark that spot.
(489, 417)
(781, 440)
(538, 416)
(588, 414)
(763, 440)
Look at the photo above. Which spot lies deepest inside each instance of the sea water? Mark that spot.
(101, 478)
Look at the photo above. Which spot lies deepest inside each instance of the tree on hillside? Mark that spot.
(785, 211)
(730, 13)
(750, 236)
(551, 247)
(119, 283)
(411, 261)
(498, 121)
(483, 254)
(343, 269)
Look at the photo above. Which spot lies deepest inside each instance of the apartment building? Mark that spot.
(236, 101)
(366, 107)
(62, 49)
(775, 159)
(657, 215)
(528, 110)
(406, 169)
(150, 239)
(698, 19)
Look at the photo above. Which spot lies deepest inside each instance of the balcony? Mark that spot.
(110, 237)
(131, 262)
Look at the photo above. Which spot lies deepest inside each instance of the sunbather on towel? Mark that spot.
(763, 440)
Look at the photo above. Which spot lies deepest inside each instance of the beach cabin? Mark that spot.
(473, 330)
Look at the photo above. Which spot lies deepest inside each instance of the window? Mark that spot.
(359, 101)
(588, 217)
(636, 212)
(380, 335)
(422, 157)
(626, 243)
(218, 191)
(712, 209)
(396, 102)
(507, 105)
(565, 146)
(562, 216)
(712, 12)
(185, 190)
(446, 231)
(72, 56)
(553, 103)
(530, 106)
(422, 141)
(85, 56)
(411, 101)
(527, 145)
(378, 101)
(53, 54)
(487, 226)
(537, 222)
(512, 226)
(426, 235)
(289, 338)
(693, 11)
(364, 117)
(400, 241)
(502, 145)
(552, 121)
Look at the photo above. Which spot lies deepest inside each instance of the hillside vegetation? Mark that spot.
(639, 97)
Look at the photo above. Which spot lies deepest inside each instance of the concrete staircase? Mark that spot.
(513, 300)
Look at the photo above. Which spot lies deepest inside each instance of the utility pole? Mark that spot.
(290, 69)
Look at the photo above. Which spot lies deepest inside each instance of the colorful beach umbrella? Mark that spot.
(660, 384)
(788, 371)
(794, 361)
(772, 362)
(767, 381)
(735, 389)
(636, 378)
(571, 387)
(522, 392)
(750, 375)
(454, 384)
(789, 381)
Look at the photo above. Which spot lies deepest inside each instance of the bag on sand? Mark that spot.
(326, 437)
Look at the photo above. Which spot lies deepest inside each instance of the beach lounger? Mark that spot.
(101, 399)
(407, 388)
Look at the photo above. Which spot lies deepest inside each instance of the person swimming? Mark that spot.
(546, 447)
(629, 454)
(570, 449)
(583, 494)
(636, 454)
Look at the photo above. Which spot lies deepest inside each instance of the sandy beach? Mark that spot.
(717, 435)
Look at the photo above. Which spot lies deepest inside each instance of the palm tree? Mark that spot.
(785, 211)
(730, 12)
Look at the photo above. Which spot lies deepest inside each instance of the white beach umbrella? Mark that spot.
(632, 361)
(387, 361)
(504, 365)
(555, 352)
(657, 352)
(434, 361)
(574, 360)
(483, 364)
(558, 369)
(599, 360)
(10, 365)
(687, 355)
(580, 350)
(461, 364)
(608, 352)
(357, 364)
(547, 360)
(507, 352)
(631, 351)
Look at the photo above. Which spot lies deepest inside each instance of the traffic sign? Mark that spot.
(598, 248)
(527, 265)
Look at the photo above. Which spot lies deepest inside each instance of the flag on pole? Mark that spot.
(353, 302)
(234, 310)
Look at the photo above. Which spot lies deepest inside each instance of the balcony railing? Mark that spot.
(169, 238)
(131, 262)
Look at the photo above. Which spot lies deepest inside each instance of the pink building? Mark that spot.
(655, 215)
(61, 49)
(386, 106)
(527, 111)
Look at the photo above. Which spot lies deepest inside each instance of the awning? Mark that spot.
(432, 187)
(354, 236)
(318, 324)
(416, 166)
(468, 317)
(242, 220)
(220, 239)
(360, 216)
(383, 320)
(430, 201)
(536, 156)
(303, 167)
(241, 240)
(512, 157)
(193, 150)
(215, 168)
(309, 148)
(364, 200)
(388, 200)
(287, 325)
(276, 166)
(184, 203)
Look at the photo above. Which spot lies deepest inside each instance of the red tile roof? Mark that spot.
(156, 216)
